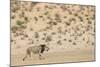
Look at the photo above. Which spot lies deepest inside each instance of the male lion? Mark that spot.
(36, 50)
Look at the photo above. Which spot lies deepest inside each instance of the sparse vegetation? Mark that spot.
(59, 42)
(26, 19)
(48, 39)
(34, 3)
(44, 34)
(35, 18)
(46, 13)
(14, 29)
(11, 40)
(65, 39)
(63, 8)
(57, 26)
(74, 43)
(22, 38)
(22, 14)
(93, 43)
(13, 10)
(13, 17)
(43, 38)
(70, 40)
(31, 42)
(31, 29)
(57, 18)
(53, 33)
(23, 27)
(54, 23)
(26, 35)
(59, 30)
(81, 19)
(36, 35)
(19, 23)
(67, 23)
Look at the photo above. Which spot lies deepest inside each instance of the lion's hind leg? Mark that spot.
(28, 53)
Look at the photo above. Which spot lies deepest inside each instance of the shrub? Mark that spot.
(25, 18)
(34, 3)
(22, 27)
(19, 23)
(59, 42)
(36, 35)
(14, 29)
(48, 39)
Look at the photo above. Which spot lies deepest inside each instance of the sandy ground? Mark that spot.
(77, 32)
(55, 57)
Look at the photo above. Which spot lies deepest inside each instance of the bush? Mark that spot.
(59, 42)
(19, 23)
(14, 29)
(22, 27)
(36, 35)
(48, 39)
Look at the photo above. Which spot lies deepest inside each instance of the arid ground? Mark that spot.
(67, 29)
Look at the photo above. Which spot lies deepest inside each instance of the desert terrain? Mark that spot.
(67, 29)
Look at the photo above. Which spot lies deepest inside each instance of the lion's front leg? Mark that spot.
(40, 56)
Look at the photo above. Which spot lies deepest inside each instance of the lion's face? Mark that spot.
(44, 48)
